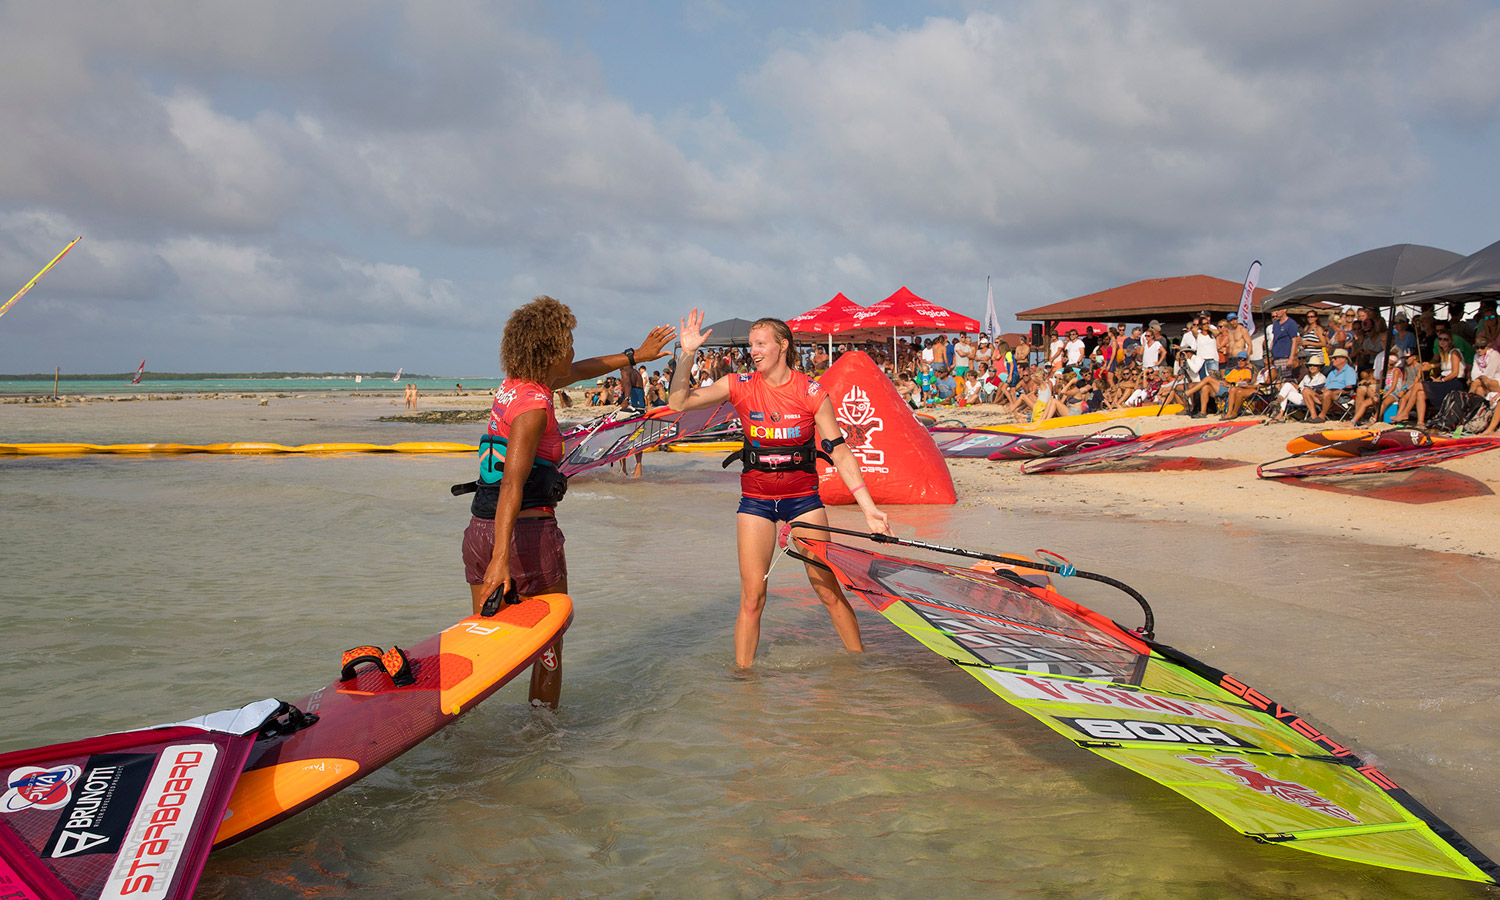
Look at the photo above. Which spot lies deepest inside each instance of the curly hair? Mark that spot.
(536, 336)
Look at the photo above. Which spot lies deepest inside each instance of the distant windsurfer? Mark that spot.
(787, 419)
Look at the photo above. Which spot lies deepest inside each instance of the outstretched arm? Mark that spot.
(650, 349)
(683, 395)
(848, 469)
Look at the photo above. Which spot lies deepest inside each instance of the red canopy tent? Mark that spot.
(829, 318)
(905, 313)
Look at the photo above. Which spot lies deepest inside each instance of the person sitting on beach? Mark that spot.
(1444, 375)
(1206, 389)
(1401, 372)
(1337, 386)
(963, 360)
(1238, 385)
(780, 478)
(945, 387)
(513, 537)
(1485, 373)
(973, 394)
(908, 390)
(1295, 393)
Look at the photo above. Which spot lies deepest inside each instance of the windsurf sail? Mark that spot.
(1213, 738)
(1146, 443)
(981, 443)
(1395, 460)
(38, 276)
(614, 441)
(140, 370)
(122, 815)
(970, 443)
(398, 374)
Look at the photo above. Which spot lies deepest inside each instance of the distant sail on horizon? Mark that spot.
(398, 374)
(139, 372)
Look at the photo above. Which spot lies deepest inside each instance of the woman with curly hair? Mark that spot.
(513, 538)
(785, 413)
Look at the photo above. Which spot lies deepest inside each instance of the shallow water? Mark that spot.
(145, 590)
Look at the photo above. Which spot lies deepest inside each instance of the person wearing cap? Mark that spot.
(984, 352)
(1486, 369)
(1239, 385)
(945, 387)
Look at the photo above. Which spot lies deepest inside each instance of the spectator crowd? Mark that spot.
(1321, 365)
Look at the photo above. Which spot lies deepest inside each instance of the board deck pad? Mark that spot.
(368, 721)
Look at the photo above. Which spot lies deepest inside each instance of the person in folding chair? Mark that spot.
(1337, 388)
(1292, 396)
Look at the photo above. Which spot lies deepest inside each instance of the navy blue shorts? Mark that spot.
(783, 510)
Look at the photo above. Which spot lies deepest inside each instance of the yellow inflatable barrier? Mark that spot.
(1107, 415)
(246, 447)
(704, 447)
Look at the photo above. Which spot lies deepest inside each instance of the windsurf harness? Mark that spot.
(801, 458)
(1211, 737)
(545, 485)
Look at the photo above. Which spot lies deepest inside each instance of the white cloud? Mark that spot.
(361, 168)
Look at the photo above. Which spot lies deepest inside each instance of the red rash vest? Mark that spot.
(516, 397)
(774, 417)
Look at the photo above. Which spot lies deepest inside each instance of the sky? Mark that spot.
(361, 186)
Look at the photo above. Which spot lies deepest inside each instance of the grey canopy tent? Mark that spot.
(1469, 279)
(1374, 277)
(729, 333)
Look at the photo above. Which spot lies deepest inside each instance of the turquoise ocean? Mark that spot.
(291, 385)
(135, 591)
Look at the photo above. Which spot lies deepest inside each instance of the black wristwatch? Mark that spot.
(630, 355)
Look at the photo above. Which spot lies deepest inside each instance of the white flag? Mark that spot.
(1247, 295)
(991, 321)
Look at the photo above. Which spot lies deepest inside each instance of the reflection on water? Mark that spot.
(145, 590)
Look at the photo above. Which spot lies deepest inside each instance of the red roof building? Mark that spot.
(1167, 299)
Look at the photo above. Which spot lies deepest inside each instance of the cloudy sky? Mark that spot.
(365, 185)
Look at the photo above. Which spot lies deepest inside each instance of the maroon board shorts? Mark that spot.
(537, 561)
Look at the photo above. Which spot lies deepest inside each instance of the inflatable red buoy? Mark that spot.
(900, 462)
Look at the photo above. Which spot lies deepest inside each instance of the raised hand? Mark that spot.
(691, 336)
(651, 347)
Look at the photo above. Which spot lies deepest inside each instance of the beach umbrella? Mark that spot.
(1373, 278)
(728, 333)
(1472, 278)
